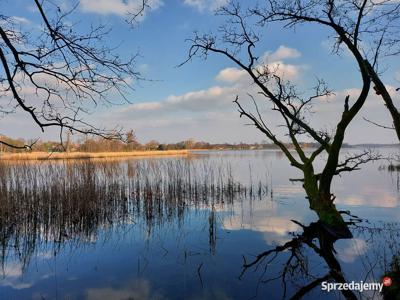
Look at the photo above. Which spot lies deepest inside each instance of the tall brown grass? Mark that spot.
(83, 155)
(54, 202)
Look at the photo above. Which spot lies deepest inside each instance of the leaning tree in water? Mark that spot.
(236, 40)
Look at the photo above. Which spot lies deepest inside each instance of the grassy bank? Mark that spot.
(82, 155)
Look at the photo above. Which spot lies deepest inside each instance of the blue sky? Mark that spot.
(195, 100)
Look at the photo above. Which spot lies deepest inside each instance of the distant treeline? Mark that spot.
(98, 144)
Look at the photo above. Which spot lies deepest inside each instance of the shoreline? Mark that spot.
(89, 155)
(37, 155)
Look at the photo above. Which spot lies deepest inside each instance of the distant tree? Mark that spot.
(189, 144)
(131, 141)
(161, 147)
(53, 75)
(68, 142)
(236, 40)
(152, 145)
(202, 145)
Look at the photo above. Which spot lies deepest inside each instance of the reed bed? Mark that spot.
(86, 155)
(72, 200)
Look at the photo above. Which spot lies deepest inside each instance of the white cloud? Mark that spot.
(282, 53)
(211, 99)
(371, 197)
(349, 250)
(209, 114)
(286, 71)
(20, 20)
(12, 276)
(263, 219)
(373, 101)
(375, 2)
(117, 7)
(273, 60)
(283, 70)
(147, 106)
(190, 115)
(397, 75)
(137, 289)
(203, 5)
(232, 75)
(203, 100)
(144, 68)
(279, 225)
(12, 22)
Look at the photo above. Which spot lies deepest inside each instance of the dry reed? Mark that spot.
(72, 200)
(85, 155)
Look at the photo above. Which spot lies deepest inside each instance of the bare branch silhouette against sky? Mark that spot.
(63, 69)
(193, 101)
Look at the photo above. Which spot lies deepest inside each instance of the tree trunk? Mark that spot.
(381, 90)
(322, 203)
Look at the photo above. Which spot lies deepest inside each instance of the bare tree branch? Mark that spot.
(24, 147)
(375, 23)
(379, 125)
(65, 71)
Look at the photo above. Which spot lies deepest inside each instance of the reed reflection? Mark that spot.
(53, 203)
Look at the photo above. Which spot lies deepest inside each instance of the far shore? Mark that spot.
(83, 155)
(41, 155)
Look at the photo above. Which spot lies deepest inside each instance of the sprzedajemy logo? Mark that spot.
(356, 286)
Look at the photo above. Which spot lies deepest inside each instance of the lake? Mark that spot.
(184, 227)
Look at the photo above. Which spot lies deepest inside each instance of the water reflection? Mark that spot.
(74, 200)
(175, 228)
(325, 236)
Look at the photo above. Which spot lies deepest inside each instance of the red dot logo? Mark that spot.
(387, 281)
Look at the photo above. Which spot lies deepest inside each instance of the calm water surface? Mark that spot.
(191, 249)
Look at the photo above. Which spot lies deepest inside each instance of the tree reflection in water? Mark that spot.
(70, 202)
(321, 238)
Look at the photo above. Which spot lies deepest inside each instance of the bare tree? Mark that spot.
(369, 29)
(54, 74)
(237, 41)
